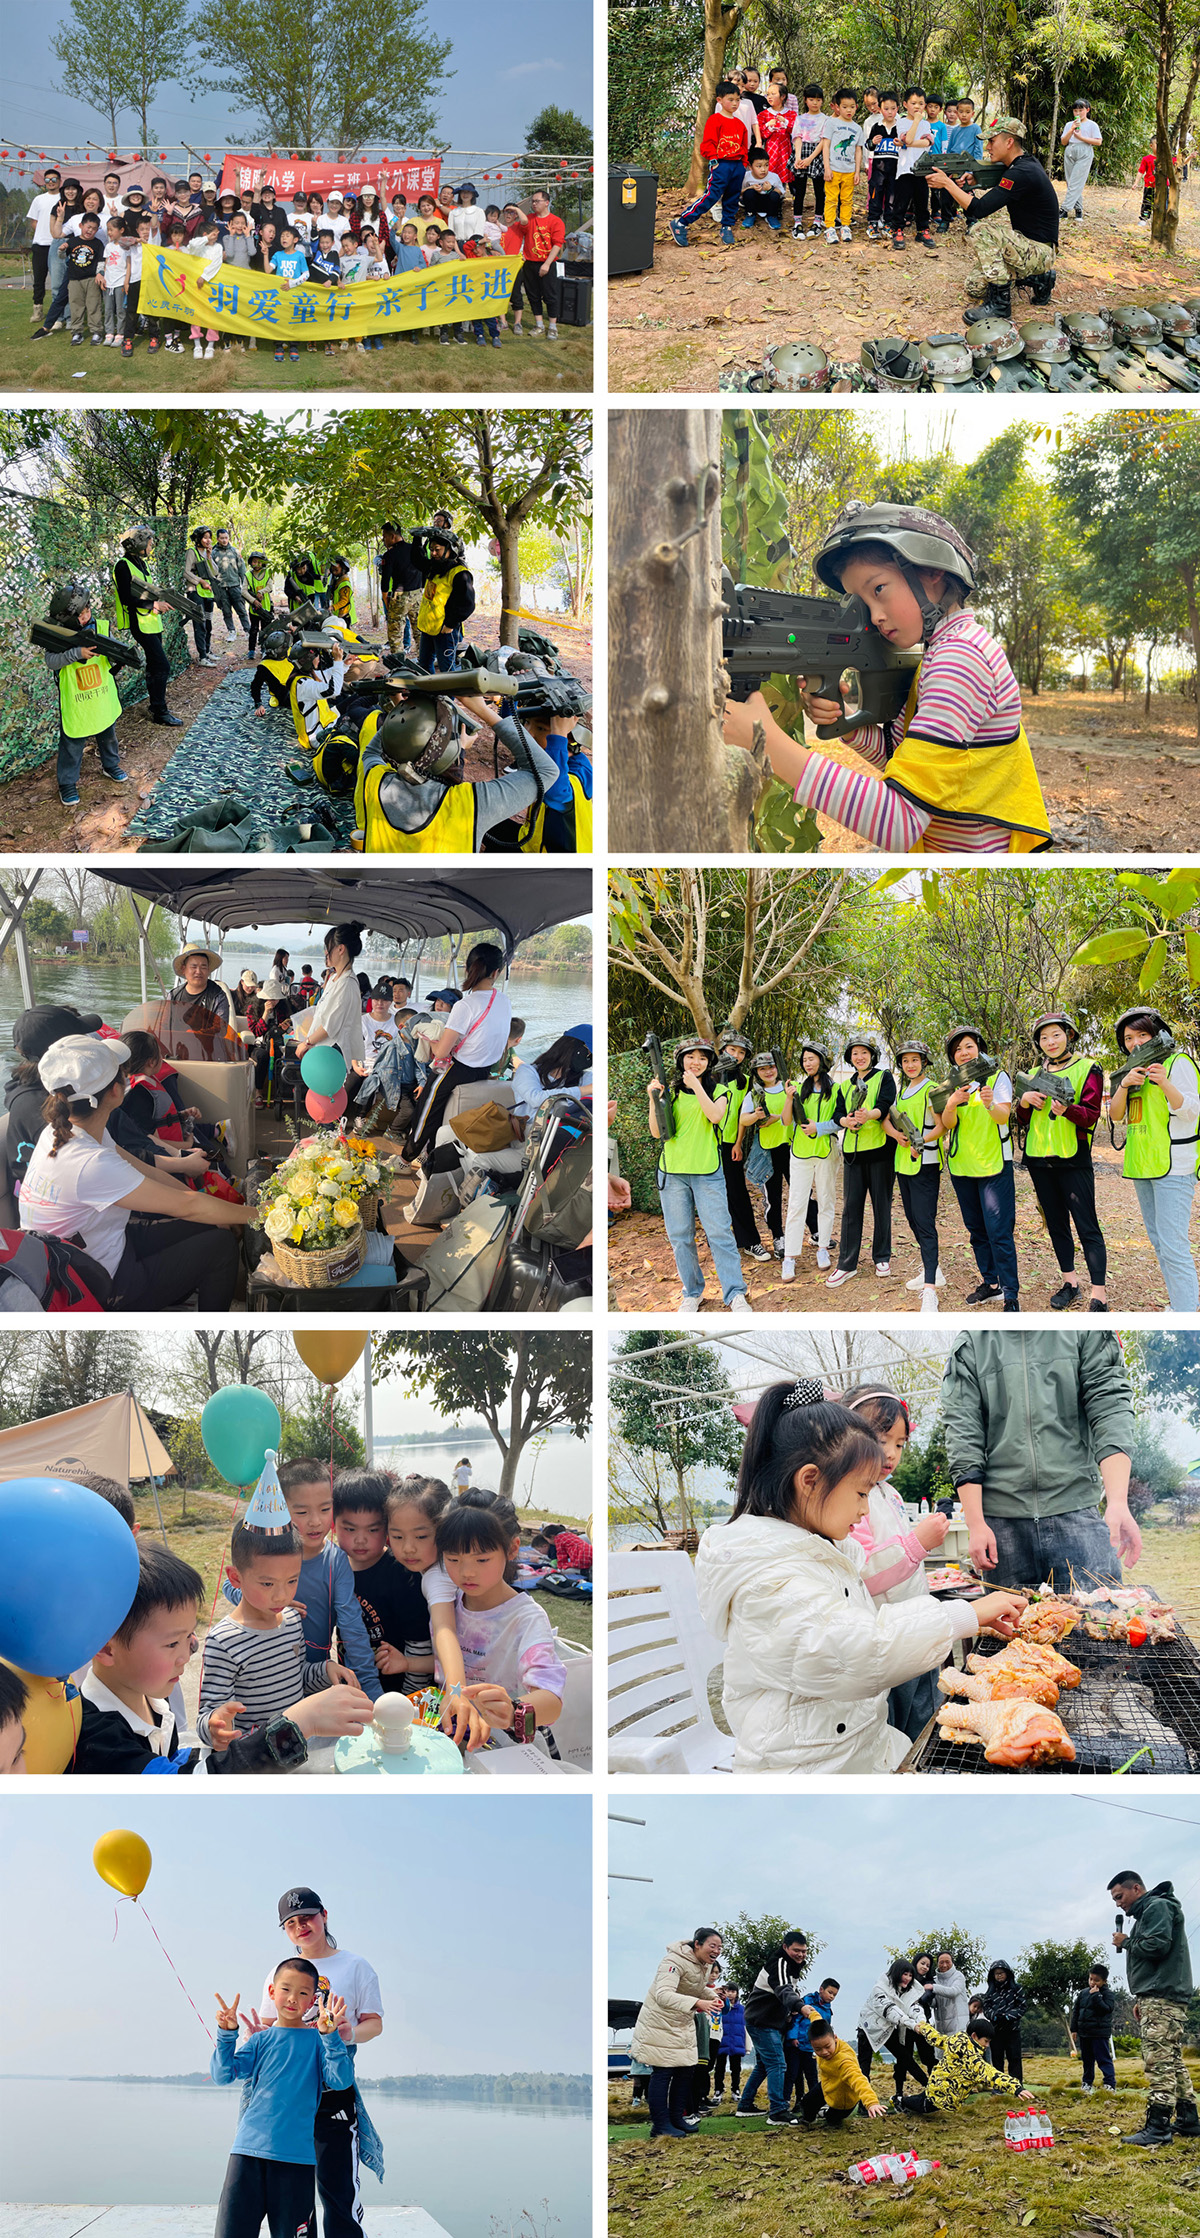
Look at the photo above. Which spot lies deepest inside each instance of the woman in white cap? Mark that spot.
(79, 1185)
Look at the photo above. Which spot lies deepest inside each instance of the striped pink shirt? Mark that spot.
(967, 695)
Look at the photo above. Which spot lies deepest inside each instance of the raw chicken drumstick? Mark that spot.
(997, 1681)
(1048, 1621)
(1029, 1656)
(1014, 1734)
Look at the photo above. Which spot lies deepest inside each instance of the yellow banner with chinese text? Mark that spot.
(267, 306)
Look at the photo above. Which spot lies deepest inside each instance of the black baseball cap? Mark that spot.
(294, 1900)
(38, 1029)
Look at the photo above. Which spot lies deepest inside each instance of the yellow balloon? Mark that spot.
(51, 1722)
(329, 1353)
(123, 1860)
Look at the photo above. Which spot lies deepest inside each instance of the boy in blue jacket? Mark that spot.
(800, 2065)
(272, 2168)
(729, 2048)
(326, 1586)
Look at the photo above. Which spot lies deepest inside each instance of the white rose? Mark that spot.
(279, 1222)
(329, 1189)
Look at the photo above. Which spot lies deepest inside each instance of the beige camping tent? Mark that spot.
(113, 1436)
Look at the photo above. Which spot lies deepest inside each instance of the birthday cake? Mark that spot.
(395, 1747)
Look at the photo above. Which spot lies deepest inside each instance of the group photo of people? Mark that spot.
(919, 2057)
(1022, 175)
(983, 1111)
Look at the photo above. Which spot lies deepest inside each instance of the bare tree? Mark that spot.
(661, 930)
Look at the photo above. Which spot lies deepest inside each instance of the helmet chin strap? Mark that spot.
(931, 612)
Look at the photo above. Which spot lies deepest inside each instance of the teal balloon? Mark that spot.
(323, 1069)
(238, 1427)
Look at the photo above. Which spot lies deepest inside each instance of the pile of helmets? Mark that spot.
(1134, 349)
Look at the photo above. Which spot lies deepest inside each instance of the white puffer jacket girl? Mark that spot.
(887, 2008)
(809, 1656)
(665, 2035)
(950, 2001)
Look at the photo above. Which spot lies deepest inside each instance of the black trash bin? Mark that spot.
(632, 214)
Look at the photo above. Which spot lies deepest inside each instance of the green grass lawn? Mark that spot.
(739, 2179)
(1169, 1563)
(424, 367)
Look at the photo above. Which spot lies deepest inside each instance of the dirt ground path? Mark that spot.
(642, 1277)
(704, 308)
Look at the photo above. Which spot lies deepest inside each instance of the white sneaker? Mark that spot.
(929, 1301)
(822, 1256)
(740, 1304)
(883, 1266)
(197, 349)
(689, 1305)
(846, 235)
(787, 1272)
(208, 349)
(918, 1281)
(839, 1276)
(831, 233)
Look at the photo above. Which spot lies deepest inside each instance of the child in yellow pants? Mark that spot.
(842, 159)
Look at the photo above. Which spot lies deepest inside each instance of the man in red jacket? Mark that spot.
(726, 143)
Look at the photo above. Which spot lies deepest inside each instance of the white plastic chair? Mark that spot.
(573, 1727)
(660, 1654)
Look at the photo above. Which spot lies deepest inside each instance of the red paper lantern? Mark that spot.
(4, 152)
(20, 151)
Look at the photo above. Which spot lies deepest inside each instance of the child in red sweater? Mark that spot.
(726, 143)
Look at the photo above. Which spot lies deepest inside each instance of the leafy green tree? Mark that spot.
(92, 56)
(713, 944)
(969, 1952)
(749, 1943)
(1054, 1973)
(311, 1431)
(47, 926)
(522, 1384)
(1155, 1472)
(81, 1365)
(558, 132)
(1171, 1366)
(923, 1471)
(324, 75)
(689, 1436)
(155, 35)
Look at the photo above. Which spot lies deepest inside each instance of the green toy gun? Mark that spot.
(1054, 1086)
(961, 1076)
(982, 175)
(1153, 1052)
(828, 641)
(909, 1129)
(664, 1116)
(56, 637)
(144, 596)
(459, 683)
(856, 1097)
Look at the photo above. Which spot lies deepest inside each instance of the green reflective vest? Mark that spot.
(809, 1106)
(1149, 1140)
(872, 1136)
(773, 1131)
(694, 1147)
(913, 1101)
(88, 697)
(259, 587)
(1058, 1138)
(148, 624)
(735, 1098)
(977, 1146)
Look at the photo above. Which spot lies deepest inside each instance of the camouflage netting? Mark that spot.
(43, 544)
(627, 1078)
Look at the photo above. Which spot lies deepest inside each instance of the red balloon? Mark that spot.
(324, 1109)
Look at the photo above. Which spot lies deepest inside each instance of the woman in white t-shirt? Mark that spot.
(340, 1973)
(81, 1186)
(474, 1039)
(338, 1015)
(38, 215)
(468, 222)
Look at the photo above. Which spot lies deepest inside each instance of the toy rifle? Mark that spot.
(982, 175)
(144, 596)
(1054, 1086)
(1153, 1052)
(830, 642)
(857, 1097)
(664, 1117)
(57, 637)
(961, 1076)
(912, 1134)
(460, 683)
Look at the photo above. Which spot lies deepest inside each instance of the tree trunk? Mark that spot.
(1149, 666)
(674, 786)
(1164, 224)
(720, 23)
(510, 581)
(1053, 140)
(1189, 584)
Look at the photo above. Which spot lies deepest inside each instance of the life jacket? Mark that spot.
(808, 1104)
(449, 831)
(694, 1147)
(915, 1103)
(63, 1278)
(259, 587)
(773, 1131)
(978, 1147)
(1048, 1137)
(165, 1120)
(431, 614)
(574, 824)
(1149, 1141)
(88, 699)
(147, 624)
(856, 1140)
(998, 782)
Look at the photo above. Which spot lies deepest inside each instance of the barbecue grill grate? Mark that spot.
(1128, 1699)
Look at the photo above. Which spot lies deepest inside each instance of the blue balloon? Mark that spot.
(323, 1069)
(238, 1427)
(68, 1576)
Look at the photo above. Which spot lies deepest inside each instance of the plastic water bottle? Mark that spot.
(1016, 2132)
(900, 2167)
(1043, 2127)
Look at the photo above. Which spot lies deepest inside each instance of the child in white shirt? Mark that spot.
(504, 1636)
(115, 269)
(207, 246)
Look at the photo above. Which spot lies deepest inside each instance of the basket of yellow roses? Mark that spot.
(317, 1207)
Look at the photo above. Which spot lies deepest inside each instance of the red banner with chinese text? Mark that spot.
(410, 174)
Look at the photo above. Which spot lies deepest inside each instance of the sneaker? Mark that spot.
(897, 240)
(77, 341)
(840, 1275)
(746, 2113)
(495, 341)
(918, 1281)
(982, 1293)
(798, 229)
(69, 800)
(822, 1256)
(97, 340)
(689, 1305)
(740, 1304)
(775, 225)
(781, 2121)
(925, 239)
(883, 1266)
(153, 344)
(831, 233)
(787, 1272)
(929, 1301)
(1088, 2090)
(679, 233)
(37, 315)
(777, 1246)
(197, 349)
(117, 776)
(817, 226)
(208, 349)
(758, 1251)
(748, 222)
(127, 349)
(727, 236)
(1067, 1295)
(293, 357)
(846, 233)
(279, 357)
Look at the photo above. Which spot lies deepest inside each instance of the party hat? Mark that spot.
(268, 1509)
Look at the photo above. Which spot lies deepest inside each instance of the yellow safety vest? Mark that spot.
(695, 1145)
(533, 831)
(148, 624)
(343, 603)
(856, 1140)
(450, 830)
(88, 697)
(917, 1097)
(998, 782)
(259, 587)
(977, 1145)
(1048, 1137)
(773, 1132)
(808, 1104)
(1149, 1141)
(431, 614)
(283, 674)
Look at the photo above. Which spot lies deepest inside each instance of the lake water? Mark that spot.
(549, 1002)
(166, 2145)
(558, 1478)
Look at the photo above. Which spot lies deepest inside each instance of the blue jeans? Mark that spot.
(686, 1198)
(1034, 1550)
(912, 1704)
(1166, 1210)
(1096, 2051)
(989, 1210)
(770, 2066)
(724, 186)
(436, 654)
(70, 758)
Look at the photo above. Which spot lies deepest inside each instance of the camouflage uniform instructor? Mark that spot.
(1013, 228)
(1158, 1971)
